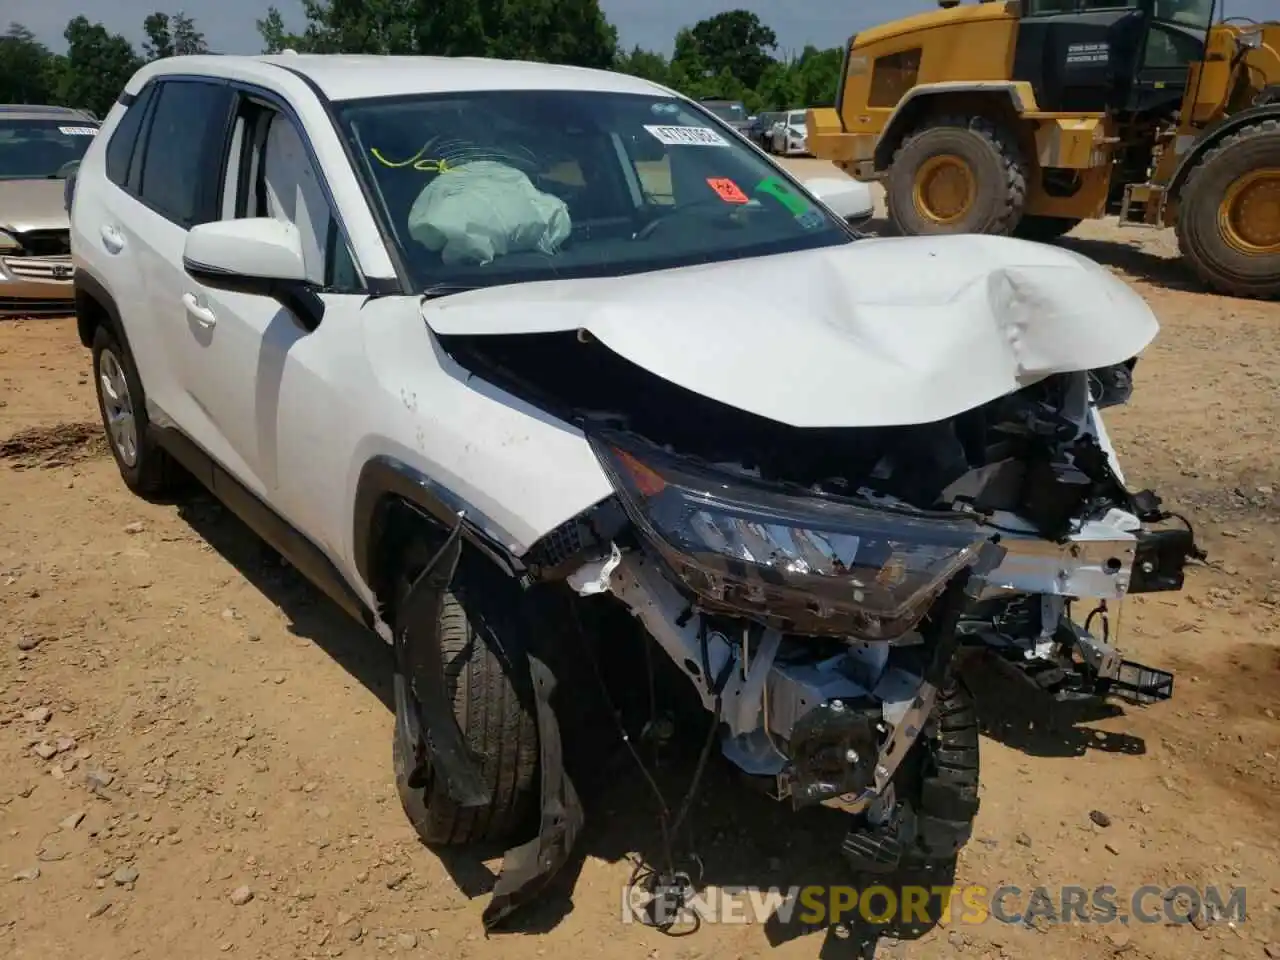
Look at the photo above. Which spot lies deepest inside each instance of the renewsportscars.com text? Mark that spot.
(969, 904)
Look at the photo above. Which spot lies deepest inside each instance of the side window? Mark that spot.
(125, 137)
(895, 74)
(188, 127)
(271, 173)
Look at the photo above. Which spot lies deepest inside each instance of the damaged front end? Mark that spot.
(819, 617)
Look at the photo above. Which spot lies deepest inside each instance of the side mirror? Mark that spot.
(848, 199)
(261, 256)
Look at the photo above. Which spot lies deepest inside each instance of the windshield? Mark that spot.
(501, 187)
(37, 149)
(1193, 13)
(796, 120)
(731, 112)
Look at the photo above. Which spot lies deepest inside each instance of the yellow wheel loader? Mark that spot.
(1027, 118)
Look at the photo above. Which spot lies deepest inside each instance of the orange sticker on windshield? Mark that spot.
(729, 191)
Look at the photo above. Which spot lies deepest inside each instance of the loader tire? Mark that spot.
(1229, 214)
(1045, 229)
(482, 637)
(947, 801)
(958, 175)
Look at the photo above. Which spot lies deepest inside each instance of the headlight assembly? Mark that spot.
(813, 563)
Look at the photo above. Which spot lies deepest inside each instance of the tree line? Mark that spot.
(732, 55)
(97, 64)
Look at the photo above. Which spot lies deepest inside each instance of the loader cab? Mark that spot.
(1110, 56)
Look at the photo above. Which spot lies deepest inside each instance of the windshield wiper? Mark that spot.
(437, 290)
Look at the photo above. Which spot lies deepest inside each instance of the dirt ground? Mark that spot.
(181, 719)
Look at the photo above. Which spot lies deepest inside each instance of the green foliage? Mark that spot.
(730, 55)
(735, 43)
(96, 67)
(171, 36)
(556, 31)
(27, 68)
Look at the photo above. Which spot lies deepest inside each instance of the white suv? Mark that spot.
(489, 352)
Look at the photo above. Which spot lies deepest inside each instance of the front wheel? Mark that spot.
(483, 641)
(936, 790)
(1229, 214)
(946, 800)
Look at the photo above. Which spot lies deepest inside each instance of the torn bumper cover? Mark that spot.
(528, 868)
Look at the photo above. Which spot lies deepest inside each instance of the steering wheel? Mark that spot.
(659, 218)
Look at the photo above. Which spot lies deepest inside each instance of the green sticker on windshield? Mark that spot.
(781, 190)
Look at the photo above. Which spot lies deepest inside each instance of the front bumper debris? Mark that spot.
(528, 868)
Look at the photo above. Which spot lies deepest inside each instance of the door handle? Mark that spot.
(203, 315)
(112, 239)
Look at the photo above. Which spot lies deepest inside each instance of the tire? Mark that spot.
(1045, 229)
(1240, 259)
(146, 468)
(946, 802)
(479, 626)
(980, 157)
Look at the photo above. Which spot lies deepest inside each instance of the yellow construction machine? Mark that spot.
(1027, 118)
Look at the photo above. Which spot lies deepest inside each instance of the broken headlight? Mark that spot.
(808, 562)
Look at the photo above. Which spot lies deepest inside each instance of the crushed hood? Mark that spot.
(878, 332)
(32, 205)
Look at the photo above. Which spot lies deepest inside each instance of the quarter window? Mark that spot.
(124, 138)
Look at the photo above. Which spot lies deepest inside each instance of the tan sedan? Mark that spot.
(39, 148)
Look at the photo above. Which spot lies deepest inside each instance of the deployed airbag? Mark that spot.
(483, 210)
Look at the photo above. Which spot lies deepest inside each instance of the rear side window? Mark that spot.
(184, 151)
(124, 138)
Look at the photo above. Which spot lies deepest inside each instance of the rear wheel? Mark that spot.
(482, 638)
(146, 468)
(1045, 229)
(957, 175)
(1229, 214)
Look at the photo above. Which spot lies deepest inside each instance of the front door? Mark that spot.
(277, 392)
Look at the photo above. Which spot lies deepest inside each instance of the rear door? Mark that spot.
(105, 245)
(179, 186)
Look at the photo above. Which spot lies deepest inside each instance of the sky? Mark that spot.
(228, 25)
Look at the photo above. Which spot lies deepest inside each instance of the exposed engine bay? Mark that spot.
(815, 585)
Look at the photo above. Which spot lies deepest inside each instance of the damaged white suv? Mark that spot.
(455, 334)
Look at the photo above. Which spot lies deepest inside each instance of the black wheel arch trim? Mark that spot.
(384, 481)
(907, 111)
(1214, 134)
(89, 289)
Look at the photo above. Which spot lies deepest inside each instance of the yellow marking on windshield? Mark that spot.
(417, 162)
